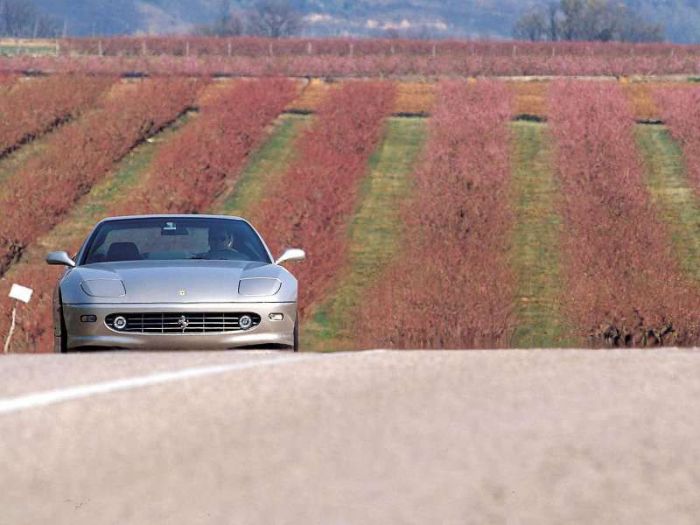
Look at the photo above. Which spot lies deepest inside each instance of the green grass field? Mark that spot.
(535, 242)
(264, 169)
(676, 201)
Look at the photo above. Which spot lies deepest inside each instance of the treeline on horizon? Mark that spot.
(588, 20)
(266, 18)
(553, 21)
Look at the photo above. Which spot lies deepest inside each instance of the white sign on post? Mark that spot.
(21, 293)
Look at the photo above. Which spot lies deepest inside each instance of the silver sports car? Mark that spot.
(175, 282)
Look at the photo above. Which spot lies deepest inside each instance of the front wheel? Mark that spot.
(60, 337)
(296, 334)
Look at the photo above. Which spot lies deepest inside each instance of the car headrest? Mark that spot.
(123, 251)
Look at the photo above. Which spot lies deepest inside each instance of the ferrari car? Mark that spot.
(175, 282)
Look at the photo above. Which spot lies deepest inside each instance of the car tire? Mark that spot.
(296, 334)
(60, 342)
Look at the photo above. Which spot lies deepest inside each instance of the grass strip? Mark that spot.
(536, 257)
(266, 167)
(668, 183)
(374, 232)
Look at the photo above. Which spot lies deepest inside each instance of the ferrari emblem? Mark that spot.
(182, 293)
(183, 322)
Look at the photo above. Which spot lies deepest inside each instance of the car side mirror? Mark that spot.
(293, 254)
(60, 259)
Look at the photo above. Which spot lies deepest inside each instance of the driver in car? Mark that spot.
(221, 244)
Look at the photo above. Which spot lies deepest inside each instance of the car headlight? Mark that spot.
(259, 286)
(103, 288)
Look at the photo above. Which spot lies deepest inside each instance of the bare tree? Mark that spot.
(21, 19)
(16, 18)
(552, 14)
(601, 20)
(634, 29)
(531, 26)
(572, 19)
(227, 23)
(274, 18)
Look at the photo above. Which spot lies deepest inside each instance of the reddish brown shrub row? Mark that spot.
(36, 105)
(344, 56)
(338, 47)
(190, 171)
(312, 204)
(623, 284)
(364, 66)
(186, 175)
(680, 108)
(40, 195)
(451, 286)
(7, 79)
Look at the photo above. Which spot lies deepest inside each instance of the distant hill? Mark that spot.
(424, 18)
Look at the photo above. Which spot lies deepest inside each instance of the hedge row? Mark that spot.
(624, 287)
(34, 106)
(451, 286)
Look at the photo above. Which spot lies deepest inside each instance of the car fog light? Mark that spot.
(245, 322)
(119, 323)
(88, 318)
(276, 317)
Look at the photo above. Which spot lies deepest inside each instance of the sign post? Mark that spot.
(18, 293)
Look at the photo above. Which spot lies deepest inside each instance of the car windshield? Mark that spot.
(174, 238)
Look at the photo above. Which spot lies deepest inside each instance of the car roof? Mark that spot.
(172, 216)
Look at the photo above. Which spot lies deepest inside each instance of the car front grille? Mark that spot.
(182, 323)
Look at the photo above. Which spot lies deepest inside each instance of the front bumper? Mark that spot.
(98, 334)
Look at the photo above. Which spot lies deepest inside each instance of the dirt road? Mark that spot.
(377, 437)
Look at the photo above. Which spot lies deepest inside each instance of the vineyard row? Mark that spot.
(361, 66)
(30, 108)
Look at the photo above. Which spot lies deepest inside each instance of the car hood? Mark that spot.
(195, 281)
